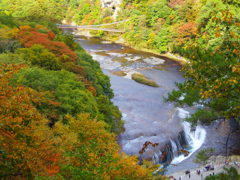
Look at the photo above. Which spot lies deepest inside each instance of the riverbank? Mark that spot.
(175, 57)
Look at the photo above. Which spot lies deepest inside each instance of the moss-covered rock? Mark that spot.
(140, 78)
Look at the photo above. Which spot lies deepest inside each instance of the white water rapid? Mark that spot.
(195, 137)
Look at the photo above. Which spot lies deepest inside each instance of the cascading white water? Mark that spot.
(195, 138)
(156, 157)
(174, 147)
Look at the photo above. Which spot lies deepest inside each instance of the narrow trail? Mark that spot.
(181, 175)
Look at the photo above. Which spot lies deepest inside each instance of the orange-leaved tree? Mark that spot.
(27, 146)
(29, 36)
(94, 153)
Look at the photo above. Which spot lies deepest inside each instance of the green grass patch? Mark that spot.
(140, 78)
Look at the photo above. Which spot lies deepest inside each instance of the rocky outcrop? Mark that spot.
(113, 5)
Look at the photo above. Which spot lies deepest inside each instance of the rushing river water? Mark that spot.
(147, 117)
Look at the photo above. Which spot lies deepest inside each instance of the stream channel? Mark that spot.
(147, 117)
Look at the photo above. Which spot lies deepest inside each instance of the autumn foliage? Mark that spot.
(27, 144)
(186, 31)
(57, 120)
(95, 153)
(29, 36)
(175, 3)
(78, 149)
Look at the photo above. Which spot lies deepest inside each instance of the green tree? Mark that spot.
(203, 155)
(37, 55)
(66, 89)
(34, 10)
(214, 71)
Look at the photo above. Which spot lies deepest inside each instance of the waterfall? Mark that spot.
(171, 150)
(195, 138)
(188, 138)
(156, 157)
(174, 148)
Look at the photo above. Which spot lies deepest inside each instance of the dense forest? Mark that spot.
(57, 120)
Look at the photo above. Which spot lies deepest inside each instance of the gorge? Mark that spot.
(147, 117)
(119, 89)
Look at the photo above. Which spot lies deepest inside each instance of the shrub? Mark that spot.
(111, 113)
(203, 155)
(174, 95)
(7, 20)
(7, 46)
(40, 56)
(68, 40)
(11, 58)
(202, 115)
(162, 39)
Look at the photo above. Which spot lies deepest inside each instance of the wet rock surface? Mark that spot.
(217, 134)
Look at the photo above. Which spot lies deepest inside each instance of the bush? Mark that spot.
(111, 113)
(7, 46)
(11, 58)
(40, 56)
(174, 95)
(162, 40)
(202, 115)
(203, 155)
(7, 20)
(68, 40)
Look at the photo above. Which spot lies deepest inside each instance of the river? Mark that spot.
(147, 117)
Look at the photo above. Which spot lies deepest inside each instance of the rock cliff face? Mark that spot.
(112, 4)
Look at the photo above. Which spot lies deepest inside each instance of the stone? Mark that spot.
(112, 4)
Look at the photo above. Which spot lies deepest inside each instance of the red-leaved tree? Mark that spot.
(30, 36)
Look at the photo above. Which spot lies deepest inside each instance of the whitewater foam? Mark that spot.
(195, 138)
